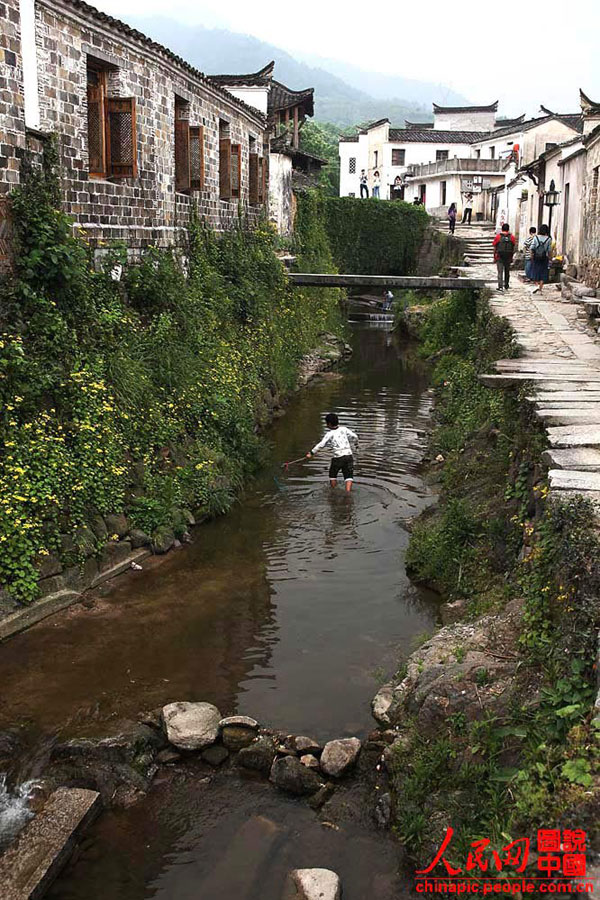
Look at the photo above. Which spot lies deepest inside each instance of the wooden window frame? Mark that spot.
(224, 168)
(402, 152)
(236, 164)
(183, 168)
(253, 178)
(197, 173)
(101, 170)
(262, 180)
(117, 106)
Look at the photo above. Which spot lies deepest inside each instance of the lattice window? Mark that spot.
(236, 171)
(183, 174)
(441, 155)
(96, 98)
(352, 165)
(121, 137)
(253, 170)
(398, 157)
(197, 156)
(262, 180)
(224, 161)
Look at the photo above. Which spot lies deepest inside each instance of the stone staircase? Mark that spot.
(477, 242)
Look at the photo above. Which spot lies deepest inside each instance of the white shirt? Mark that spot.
(339, 441)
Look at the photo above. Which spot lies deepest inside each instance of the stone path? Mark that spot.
(560, 357)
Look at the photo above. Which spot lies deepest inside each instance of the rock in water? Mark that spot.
(313, 884)
(305, 744)
(215, 755)
(191, 726)
(235, 736)
(258, 756)
(288, 774)
(383, 811)
(339, 756)
(310, 761)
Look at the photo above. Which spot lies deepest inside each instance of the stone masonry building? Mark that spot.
(142, 134)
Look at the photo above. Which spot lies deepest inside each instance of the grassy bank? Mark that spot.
(136, 386)
(496, 540)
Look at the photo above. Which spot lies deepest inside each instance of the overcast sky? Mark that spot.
(523, 53)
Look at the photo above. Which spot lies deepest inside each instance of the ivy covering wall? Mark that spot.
(139, 393)
(374, 237)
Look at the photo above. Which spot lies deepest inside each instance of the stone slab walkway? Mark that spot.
(560, 357)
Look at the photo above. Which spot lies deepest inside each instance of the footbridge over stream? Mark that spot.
(406, 282)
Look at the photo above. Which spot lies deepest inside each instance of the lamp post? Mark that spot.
(551, 199)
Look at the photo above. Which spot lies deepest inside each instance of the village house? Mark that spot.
(143, 136)
(286, 110)
(558, 187)
(465, 150)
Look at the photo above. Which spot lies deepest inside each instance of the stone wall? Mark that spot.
(146, 208)
(589, 269)
(12, 116)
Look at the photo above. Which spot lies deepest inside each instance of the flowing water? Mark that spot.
(289, 609)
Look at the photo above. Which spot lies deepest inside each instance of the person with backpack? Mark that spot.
(452, 217)
(504, 250)
(541, 251)
(527, 248)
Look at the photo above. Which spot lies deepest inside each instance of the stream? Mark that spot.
(292, 609)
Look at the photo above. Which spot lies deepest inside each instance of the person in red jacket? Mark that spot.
(504, 250)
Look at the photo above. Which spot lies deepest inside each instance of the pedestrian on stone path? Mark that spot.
(376, 185)
(504, 250)
(527, 246)
(467, 209)
(364, 190)
(541, 251)
(452, 217)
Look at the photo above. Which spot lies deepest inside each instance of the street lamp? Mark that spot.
(551, 199)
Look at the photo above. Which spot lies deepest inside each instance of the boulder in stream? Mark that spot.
(258, 756)
(305, 744)
(339, 756)
(191, 726)
(238, 731)
(313, 884)
(289, 774)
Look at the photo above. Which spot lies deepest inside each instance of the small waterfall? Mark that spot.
(15, 808)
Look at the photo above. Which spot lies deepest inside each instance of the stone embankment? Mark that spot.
(110, 545)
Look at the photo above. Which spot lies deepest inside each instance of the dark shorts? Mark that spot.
(345, 463)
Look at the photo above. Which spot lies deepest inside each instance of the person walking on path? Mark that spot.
(364, 190)
(541, 251)
(338, 439)
(467, 209)
(504, 250)
(527, 247)
(376, 185)
(452, 217)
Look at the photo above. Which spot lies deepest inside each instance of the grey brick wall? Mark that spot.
(141, 210)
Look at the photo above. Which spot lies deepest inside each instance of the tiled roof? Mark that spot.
(91, 12)
(282, 97)
(372, 125)
(408, 124)
(263, 76)
(435, 136)
(493, 107)
(506, 123)
(349, 139)
(573, 121)
(587, 105)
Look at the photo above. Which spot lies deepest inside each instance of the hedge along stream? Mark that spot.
(375, 237)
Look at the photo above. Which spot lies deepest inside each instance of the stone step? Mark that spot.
(574, 480)
(543, 364)
(562, 494)
(562, 398)
(238, 870)
(574, 436)
(31, 864)
(550, 382)
(569, 416)
(578, 458)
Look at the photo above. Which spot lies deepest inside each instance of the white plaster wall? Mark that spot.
(280, 192)
(254, 95)
(573, 173)
(470, 121)
(29, 57)
(349, 183)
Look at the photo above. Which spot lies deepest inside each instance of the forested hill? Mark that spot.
(337, 101)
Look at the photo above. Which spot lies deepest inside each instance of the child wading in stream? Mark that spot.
(338, 438)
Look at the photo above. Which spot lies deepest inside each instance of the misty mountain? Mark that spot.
(218, 51)
(381, 85)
